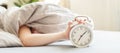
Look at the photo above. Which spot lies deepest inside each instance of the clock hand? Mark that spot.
(81, 35)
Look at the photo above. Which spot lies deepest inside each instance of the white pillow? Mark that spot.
(9, 40)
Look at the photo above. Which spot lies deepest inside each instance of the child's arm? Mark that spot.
(29, 39)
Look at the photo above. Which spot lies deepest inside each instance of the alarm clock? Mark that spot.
(81, 35)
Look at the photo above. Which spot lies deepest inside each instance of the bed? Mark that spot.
(103, 42)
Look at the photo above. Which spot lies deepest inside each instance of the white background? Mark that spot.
(105, 13)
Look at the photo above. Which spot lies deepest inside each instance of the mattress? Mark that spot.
(103, 42)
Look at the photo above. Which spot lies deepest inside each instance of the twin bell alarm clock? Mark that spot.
(81, 34)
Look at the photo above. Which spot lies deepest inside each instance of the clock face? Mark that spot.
(81, 35)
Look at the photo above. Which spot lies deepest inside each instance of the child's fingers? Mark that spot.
(77, 19)
(70, 24)
(80, 21)
(74, 23)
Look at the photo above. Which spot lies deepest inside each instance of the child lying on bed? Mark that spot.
(30, 37)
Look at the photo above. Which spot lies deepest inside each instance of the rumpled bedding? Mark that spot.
(51, 18)
(44, 17)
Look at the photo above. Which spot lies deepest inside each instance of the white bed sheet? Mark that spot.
(103, 42)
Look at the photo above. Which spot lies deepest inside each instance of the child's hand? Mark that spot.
(71, 24)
